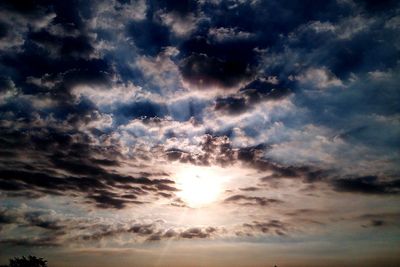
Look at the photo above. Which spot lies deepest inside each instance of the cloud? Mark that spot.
(47, 228)
(150, 232)
(319, 78)
(23, 17)
(269, 227)
(6, 217)
(180, 25)
(73, 167)
(198, 233)
(44, 228)
(262, 89)
(251, 200)
(228, 34)
(381, 220)
(203, 71)
(366, 185)
(101, 102)
(42, 220)
(250, 189)
(213, 150)
(32, 242)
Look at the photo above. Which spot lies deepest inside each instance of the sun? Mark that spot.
(199, 186)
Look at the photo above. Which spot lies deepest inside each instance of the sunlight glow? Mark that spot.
(199, 186)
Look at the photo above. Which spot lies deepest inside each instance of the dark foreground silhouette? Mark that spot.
(31, 261)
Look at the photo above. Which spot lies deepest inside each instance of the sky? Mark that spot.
(200, 133)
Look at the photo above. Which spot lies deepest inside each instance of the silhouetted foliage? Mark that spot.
(31, 261)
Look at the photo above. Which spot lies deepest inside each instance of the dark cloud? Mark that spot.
(68, 163)
(53, 229)
(58, 229)
(205, 71)
(263, 89)
(145, 229)
(108, 200)
(196, 74)
(104, 231)
(366, 185)
(39, 219)
(100, 188)
(252, 153)
(306, 212)
(248, 28)
(32, 242)
(198, 233)
(29, 9)
(150, 232)
(174, 154)
(254, 156)
(269, 227)
(164, 187)
(308, 174)
(6, 217)
(387, 216)
(178, 203)
(378, 219)
(250, 189)
(231, 104)
(251, 200)
(251, 94)
(377, 223)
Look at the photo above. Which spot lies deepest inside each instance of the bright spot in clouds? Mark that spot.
(200, 186)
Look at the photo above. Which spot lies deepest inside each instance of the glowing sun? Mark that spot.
(199, 186)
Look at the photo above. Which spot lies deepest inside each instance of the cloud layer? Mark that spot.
(293, 106)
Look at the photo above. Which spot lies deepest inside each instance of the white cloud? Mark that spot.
(180, 25)
(345, 28)
(116, 94)
(228, 34)
(319, 78)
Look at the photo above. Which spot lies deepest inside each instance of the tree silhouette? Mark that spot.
(31, 261)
